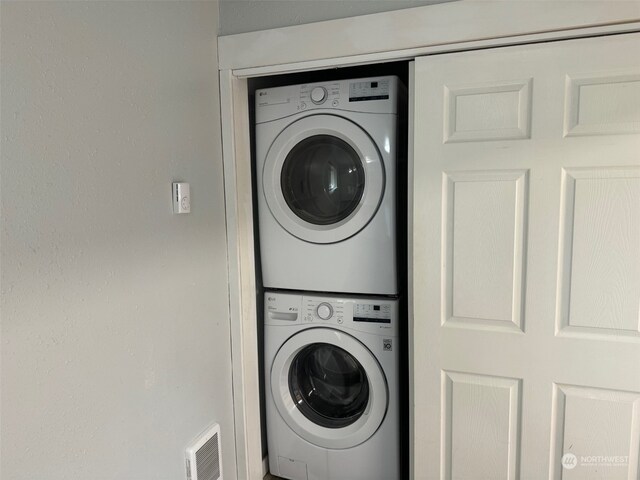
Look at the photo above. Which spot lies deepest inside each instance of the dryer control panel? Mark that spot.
(366, 314)
(367, 95)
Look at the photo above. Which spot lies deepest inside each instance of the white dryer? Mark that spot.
(331, 387)
(326, 179)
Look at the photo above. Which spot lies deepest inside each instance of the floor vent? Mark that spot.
(203, 458)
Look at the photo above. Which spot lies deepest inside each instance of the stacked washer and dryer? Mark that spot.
(326, 158)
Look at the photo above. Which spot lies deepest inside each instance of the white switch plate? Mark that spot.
(181, 197)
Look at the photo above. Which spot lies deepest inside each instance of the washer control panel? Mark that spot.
(365, 314)
(324, 311)
(315, 308)
(372, 313)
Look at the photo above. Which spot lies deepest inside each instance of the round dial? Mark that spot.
(324, 311)
(318, 95)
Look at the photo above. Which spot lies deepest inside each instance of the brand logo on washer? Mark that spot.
(387, 344)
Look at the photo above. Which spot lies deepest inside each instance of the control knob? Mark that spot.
(318, 95)
(324, 311)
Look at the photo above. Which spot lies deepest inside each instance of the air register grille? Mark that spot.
(203, 457)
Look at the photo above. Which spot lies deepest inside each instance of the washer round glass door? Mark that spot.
(323, 178)
(329, 385)
(329, 388)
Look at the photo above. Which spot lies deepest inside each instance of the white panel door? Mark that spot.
(526, 262)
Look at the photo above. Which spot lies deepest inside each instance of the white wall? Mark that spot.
(240, 16)
(115, 330)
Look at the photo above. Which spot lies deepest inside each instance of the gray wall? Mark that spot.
(240, 16)
(115, 330)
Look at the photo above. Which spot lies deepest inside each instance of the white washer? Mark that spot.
(326, 179)
(331, 387)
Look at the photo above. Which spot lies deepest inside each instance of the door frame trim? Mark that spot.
(345, 42)
(407, 32)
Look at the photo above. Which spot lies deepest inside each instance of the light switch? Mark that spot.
(181, 197)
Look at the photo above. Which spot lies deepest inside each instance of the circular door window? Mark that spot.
(329, 388)
(323, 179)
(329, 385)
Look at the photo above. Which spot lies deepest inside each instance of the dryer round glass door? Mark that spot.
(323, 179)
(329, 388)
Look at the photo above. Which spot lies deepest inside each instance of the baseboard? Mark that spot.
(265, 466)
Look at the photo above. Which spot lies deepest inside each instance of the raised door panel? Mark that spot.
(481, 426)
(602, 105)
(484, 222)
(596, 434)
(599, 286)
(493, 111)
